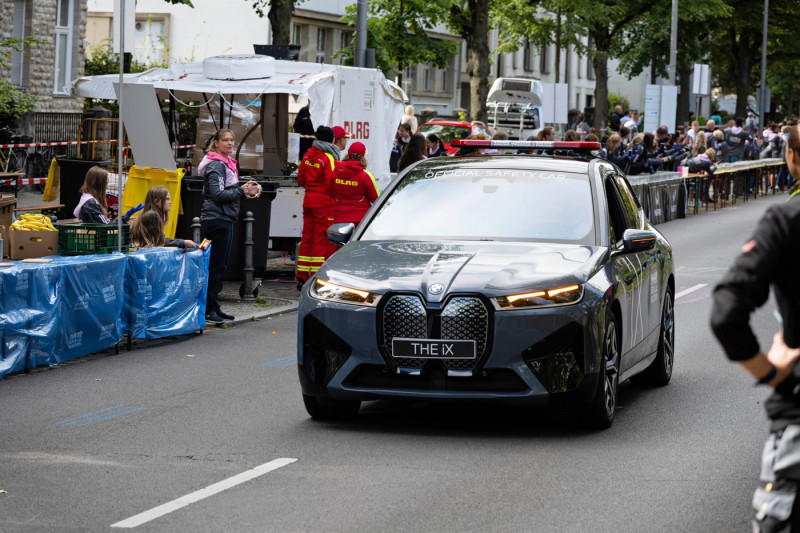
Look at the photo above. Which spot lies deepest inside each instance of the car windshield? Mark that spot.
(486, 204)
(446, 132)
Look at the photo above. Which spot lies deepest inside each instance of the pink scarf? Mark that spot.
(229, 161)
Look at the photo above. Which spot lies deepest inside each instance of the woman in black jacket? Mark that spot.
(434, 146)
(222, 193)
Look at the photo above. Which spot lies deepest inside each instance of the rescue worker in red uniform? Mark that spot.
(354, 187)
(315, 174)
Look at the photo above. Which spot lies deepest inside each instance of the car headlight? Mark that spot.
(545, 298)
(325, 290)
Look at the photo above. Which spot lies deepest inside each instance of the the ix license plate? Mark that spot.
(433, 348)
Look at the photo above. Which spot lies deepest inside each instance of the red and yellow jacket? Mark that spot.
(354, 190)
(315, 175)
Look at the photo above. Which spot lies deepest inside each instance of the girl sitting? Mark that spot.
(148, 229)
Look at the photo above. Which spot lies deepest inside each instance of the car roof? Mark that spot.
(509, 161)
(445, 122)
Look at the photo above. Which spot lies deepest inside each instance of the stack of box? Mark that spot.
(240, 118)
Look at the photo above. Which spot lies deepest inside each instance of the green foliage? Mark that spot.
(617, 99)
(397, 32)
(14, 102)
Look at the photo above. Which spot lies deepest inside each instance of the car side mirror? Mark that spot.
(638, 240)
(339, 234)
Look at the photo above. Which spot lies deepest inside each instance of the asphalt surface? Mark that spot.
(110, 439)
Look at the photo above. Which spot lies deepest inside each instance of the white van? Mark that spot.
(514, 106)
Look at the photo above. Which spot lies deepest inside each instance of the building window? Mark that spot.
(527, 59)
(149, 37)
(589, 62)
(18, 75)
(321, 37)
(444, 81)
(63, 37)
(345, 38)
(297, 34)
(426, 78)
(544, 68)
(589, 100)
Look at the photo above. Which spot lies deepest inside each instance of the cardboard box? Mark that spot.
(7, 204)
(240, 119)
(23, 244)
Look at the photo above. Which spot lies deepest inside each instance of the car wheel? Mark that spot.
(600, 413)
(330, 409)
(660, 370)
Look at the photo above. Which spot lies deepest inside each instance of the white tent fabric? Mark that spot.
(354, 98)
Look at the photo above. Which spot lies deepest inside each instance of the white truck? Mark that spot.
(514, 106)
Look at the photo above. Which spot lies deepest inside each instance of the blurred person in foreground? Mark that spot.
(766, 263)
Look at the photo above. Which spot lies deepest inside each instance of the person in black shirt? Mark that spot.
(764, 264)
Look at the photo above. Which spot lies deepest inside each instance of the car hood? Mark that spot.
(491, 268)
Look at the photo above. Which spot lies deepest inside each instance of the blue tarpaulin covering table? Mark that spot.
(165, 292)
(73, 306)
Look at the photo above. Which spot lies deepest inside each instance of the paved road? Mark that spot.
(209, 434)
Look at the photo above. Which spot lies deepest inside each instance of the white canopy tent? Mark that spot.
(361, 100)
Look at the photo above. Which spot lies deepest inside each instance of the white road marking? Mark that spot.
(690, 289)
(196, 496)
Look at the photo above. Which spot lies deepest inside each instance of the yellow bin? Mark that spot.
(140, 180)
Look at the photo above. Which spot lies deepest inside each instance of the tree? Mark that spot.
(14, 103)
(470, 21)
(398, 31)
(649, 43)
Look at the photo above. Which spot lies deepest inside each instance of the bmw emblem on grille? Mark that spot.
(436, 288)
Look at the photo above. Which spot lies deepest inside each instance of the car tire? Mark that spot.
(330, 409)
(660, 370)
(600, 412)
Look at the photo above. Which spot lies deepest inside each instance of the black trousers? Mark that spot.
(220, 233)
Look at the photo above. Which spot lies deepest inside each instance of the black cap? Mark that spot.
(739, 121)
(324, 133)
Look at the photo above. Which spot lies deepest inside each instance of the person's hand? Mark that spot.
(188, 245)
(783, 357)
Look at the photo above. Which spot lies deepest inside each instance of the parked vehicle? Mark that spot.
(523, 279)
(514, 105)
(448, 130)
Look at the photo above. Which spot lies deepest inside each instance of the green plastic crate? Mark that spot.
(86, 239)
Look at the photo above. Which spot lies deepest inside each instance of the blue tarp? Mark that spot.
(73, 306)
(165, 292)
(53, 312)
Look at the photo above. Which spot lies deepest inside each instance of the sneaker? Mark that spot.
(226, 316)
(214, 317)
(300, 285)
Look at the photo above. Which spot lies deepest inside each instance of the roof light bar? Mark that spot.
(563, 145)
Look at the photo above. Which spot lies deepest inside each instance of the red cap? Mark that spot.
(340, 133)
(357, 148)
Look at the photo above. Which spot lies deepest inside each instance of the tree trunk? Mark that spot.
(684, 97)
(478, 57)
(602, 42)
(280, 18)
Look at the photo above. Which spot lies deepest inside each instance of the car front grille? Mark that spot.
(462, 318)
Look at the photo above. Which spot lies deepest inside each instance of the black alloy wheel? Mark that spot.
(660, 370)
(600, 413)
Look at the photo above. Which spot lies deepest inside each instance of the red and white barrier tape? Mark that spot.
(61, 143)
(23, 181)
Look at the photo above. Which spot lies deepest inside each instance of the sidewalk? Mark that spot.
(277, 294)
